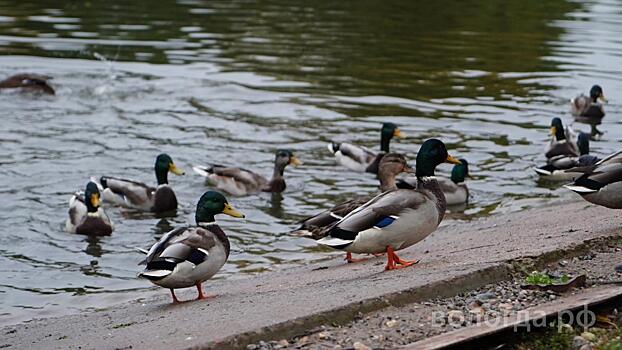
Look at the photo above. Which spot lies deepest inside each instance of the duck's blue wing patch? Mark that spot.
(384, 221)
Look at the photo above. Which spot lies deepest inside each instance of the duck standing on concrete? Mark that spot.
(28, 82)
(188, 256)
(391, 165)
(601, 183)
(362, 159)
(588, 109)
(396, 219)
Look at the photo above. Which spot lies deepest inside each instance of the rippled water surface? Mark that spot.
(232, 81)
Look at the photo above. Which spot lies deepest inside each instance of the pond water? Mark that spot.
(232, 81)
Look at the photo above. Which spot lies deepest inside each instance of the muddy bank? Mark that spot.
(284, 305)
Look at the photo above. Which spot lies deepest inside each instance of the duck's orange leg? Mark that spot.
(201, 295)
(393, 260)
(350, 259)
(175, 300)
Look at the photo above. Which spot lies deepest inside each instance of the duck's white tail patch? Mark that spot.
(542, 171)
(580, 189)
(334, 242)
(154, 274)
(331, 147)
(201, 170)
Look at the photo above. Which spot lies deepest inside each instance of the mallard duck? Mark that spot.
(601, 183)
(562, 141)
(30, 82)
(241, 182)
(454, 188)
(399, 218)
(86, 217)
(556, 167)
(137, 195)
(391, 165)
(188, 256)
(587, 109)
(359, 158)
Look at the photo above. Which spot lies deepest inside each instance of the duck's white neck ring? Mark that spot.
(206, 223)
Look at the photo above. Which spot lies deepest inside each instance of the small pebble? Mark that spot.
(360, 346)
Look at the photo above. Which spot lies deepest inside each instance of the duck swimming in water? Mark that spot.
(362, 159)
(28, 82)
(562, 141)
(557, 168)
(86, 217)
(589, 109)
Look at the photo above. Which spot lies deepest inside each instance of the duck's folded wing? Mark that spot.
(600, 176)
(379, 212)
(135, 192)
(358, 153)
(166, 240)
(313, 226)
(240, 175)
(77, 210)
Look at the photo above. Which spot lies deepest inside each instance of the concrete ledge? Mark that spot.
(458, 257)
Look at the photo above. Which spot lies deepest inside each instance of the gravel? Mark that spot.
(396, 326)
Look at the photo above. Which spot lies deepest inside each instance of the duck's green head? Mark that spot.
(387, 132)
(164, 164)
(596, 93)
(583, 141)
(557, 129)
(432, 153)
(91, 197)
(460, 171)
(213, 203)
(283, 158)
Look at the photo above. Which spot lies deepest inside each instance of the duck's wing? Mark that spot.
(603, 173)
(221, 175)
(123, 191)
(184, 244)
(561, 149)
(379, 212)
(77, 212)
(579, 104)
(446, 185)
(314, 226)
(351, 156)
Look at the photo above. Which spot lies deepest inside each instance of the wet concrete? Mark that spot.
(457, 257)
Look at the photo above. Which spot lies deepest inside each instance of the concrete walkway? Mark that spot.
(279, 305)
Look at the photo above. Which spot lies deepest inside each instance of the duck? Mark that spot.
(556, 168)
(454, 188)
(600, 183)
(29, 82)
(588, 109)
(362, 159)
(137, 195)
(399, 218)
(391, 165)
(190, 255)
(241, 182)
(562, 141)
(86, 216)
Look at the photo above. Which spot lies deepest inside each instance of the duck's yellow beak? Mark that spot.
(229, 210)
(95, 200)
(553, 130)
(398, 133)
(452, 160)
(175, 170)
(294, 161)
(602, 98)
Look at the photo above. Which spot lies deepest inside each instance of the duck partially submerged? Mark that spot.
(28, 82)
(362, 159)
(86, 217)
(556, 168)
(588, 109)
(562, 141)
(396, 219)
(391, 165)
(140, 196)
(241, 182)
(601, 183)
(188, 256)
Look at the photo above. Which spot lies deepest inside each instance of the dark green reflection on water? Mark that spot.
(411, 49)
